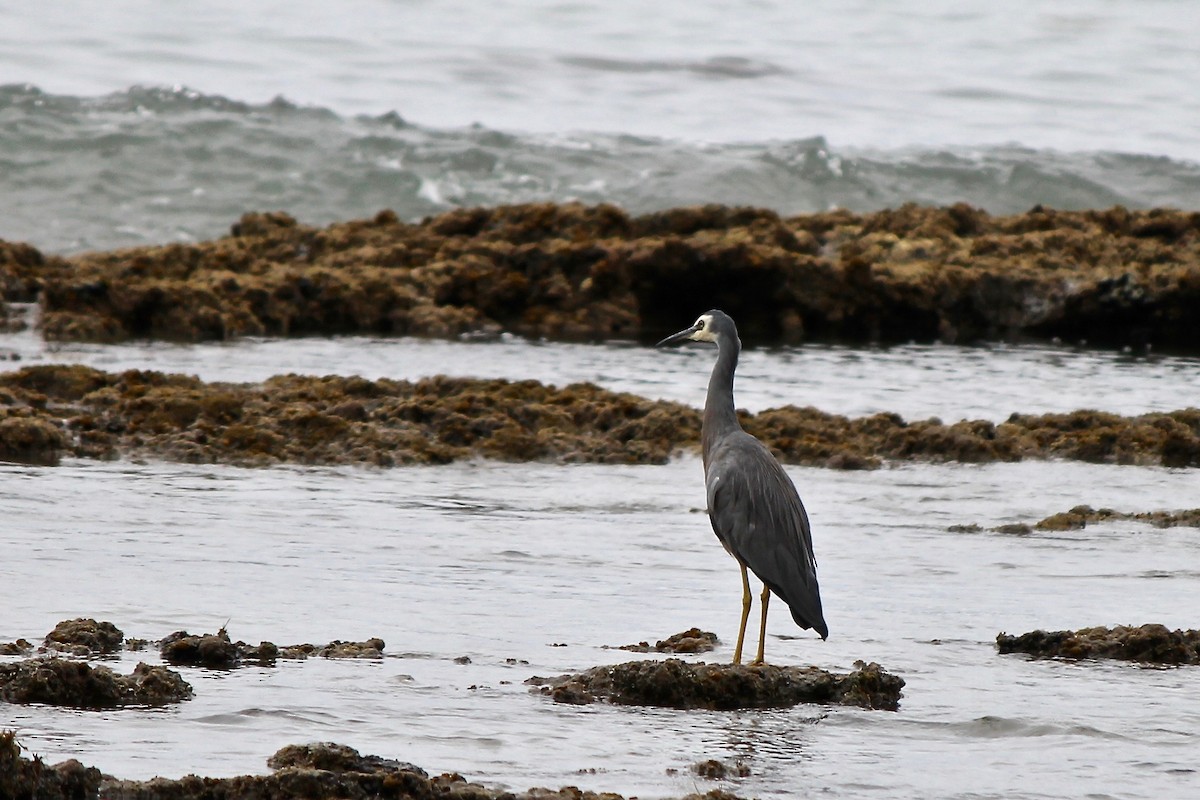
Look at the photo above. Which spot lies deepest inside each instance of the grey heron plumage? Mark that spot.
(753, 505)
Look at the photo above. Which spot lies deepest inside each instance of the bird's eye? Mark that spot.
(700, 323)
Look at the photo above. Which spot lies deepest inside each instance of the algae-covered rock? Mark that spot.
(24, 778)
(65, 682)
(692, 640)
(212, 650)
(677, 684)
(30, 440)
(351, 420)
(1153, 643)
(1079, 517)
(568, 271)
(85, 636)
(328, 770)
(218, 651)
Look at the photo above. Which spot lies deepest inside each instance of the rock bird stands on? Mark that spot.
(752, 503)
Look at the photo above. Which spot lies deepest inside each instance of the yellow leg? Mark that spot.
(762, 628)
(737, 651)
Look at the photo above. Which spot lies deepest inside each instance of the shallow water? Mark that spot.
(506, 561)
(503, 561)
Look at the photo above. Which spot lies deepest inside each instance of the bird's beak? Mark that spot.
(682, 336)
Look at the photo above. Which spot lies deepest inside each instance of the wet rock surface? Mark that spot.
(84, 637)
(65, 682)
(1154, 644)
(571, 271)
(217, 651)
(24, 778)
(1081, 516)
(21, 647)
(677, 684)
(692, 640)
(351, 420)
(302, 772)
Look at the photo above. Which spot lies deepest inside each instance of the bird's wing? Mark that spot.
(757, 514)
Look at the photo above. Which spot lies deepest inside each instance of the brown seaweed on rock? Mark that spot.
(85, 636)
(217, 651)
(352, 420)
(1154, 644)
(678, 684)
(568, 271)
(32, 779)
(65, 682)
(299, 772)
(693, 640)
(1079, 517)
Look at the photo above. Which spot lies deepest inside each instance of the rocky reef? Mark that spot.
(1152, 644)
(85, 412)
(568, 271)
(674, 683)
(299, 772)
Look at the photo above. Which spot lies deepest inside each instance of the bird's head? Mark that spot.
(711, 326)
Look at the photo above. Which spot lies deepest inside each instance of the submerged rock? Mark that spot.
(1081, 516)
(715, 770)
(300, 772)
(63, 682)
(351, 420)
(85, 636)
(1155, 644)
(677, 684)
(21, 647)
(693, 640)
(568, 271)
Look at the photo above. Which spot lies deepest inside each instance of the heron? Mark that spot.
(753, 505)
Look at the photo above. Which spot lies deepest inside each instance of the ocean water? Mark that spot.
(144, 123)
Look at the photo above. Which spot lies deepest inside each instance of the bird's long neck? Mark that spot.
(720, 417)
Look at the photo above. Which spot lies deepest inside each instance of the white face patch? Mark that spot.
(704, 333)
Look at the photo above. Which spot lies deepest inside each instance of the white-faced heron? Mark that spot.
(753, 505)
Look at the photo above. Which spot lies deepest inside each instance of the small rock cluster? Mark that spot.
(1152, 644)
(693, 640)
(674, 683)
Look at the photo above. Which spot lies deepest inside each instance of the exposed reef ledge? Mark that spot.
(54, 410)
(679, 684)
(568, 271)
(299, 772)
